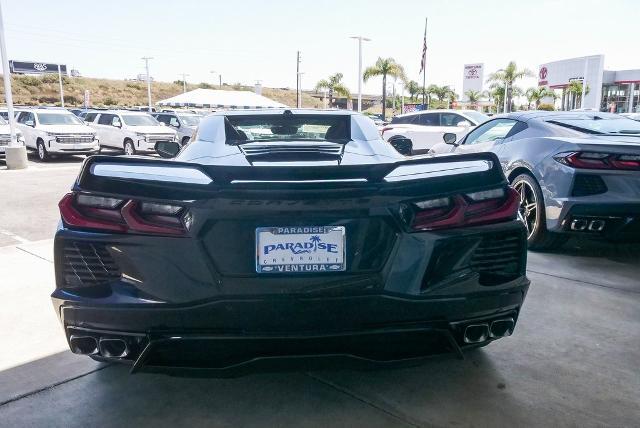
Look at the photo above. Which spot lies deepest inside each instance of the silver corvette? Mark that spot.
(576, 172)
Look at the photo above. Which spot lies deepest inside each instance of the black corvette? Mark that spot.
(287, 235)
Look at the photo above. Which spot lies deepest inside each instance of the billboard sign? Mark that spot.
(25, 67)
(473, 78)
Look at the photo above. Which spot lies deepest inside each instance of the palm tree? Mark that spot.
(575, 89)
(441, 93)
(334, 85)
(508, 76)
(413, 88)
(384, 67)
(473, 96)
(535, 95)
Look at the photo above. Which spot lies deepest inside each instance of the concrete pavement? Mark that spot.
(572, 361)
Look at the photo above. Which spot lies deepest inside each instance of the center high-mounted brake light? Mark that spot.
(488, 206)
(123, 216)
(595, 160)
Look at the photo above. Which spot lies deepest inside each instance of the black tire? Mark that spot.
(185, 141)
(41, 151)
(129, 148)
(532, 212)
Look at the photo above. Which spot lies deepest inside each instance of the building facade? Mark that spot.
(613, 91)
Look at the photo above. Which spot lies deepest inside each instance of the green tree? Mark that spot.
(473, 96)
(442, 93)
(535, 95)
(575, 90)
(413, 88)
(509, 75)
(384, 67)
(334, 85)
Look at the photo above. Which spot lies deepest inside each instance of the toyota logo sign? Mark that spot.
(543, 73)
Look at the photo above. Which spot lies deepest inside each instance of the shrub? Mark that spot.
(547, 107)
(30, 81)
(110, 101)
(205, 85)
(134, 86)
(70, 99)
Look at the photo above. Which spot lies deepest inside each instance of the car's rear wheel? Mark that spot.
(43, 156)
(532, 213)
(129, 148)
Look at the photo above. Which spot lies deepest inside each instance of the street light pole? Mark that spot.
(184, 82)
(506, 91)
(146, 64)
(298, 83)
(360, 39)
(16, 154)
(61, 90)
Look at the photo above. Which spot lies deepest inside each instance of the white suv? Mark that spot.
(426, 128)
(5, 135)
(185, 123)
(56, 132)
(130, 131)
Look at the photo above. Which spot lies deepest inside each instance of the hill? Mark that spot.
(44, 90)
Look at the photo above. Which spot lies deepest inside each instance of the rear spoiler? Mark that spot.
(160, 178)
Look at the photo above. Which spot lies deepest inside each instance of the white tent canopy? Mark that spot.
(217, 99)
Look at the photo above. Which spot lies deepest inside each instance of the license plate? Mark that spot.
(307, 249)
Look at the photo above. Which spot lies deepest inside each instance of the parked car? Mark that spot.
(56, 132)
(426, 128)
(185, 124)
(76, 111)
(578, 173)
(5, 136)
(130, 131)
(632, 116)
(284, 234)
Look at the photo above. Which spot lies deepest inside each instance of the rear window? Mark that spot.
(287, 127)
(601, 124)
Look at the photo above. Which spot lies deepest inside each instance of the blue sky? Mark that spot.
(257, 40)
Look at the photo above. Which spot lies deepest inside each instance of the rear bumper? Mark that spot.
(612, 221)
(234, 336)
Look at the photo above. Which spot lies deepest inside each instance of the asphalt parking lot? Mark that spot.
(572, 361)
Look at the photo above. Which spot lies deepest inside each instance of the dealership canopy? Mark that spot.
(210, 98)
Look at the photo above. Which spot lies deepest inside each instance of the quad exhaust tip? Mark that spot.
(476, 333)
(501, 328)
(113, 348)
(83, 345)
(583, 224)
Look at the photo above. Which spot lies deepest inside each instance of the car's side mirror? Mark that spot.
(403, 145)
(162, 124)
(465, 124)
(30, 123)
(450, 138)
(117, 124)
(167, 149)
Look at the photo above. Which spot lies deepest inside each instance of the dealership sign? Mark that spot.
(542, 76)
(473, 77)
(24, 67)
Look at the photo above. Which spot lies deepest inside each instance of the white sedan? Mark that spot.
(426, 128)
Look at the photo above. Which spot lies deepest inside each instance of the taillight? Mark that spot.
(595, 160)
(488, 206)
(123, 216)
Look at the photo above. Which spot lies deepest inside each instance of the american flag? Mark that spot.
(424, 52)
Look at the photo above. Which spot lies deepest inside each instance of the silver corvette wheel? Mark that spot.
(528, 206)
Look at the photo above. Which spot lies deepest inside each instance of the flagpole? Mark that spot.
(424, 71)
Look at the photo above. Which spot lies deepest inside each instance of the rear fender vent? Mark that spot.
(499, 258)
(87, 264)
(496, 258)
(587, 184)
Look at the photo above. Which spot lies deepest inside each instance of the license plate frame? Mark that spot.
(300, 249)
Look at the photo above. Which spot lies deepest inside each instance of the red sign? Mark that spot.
(543, 76)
